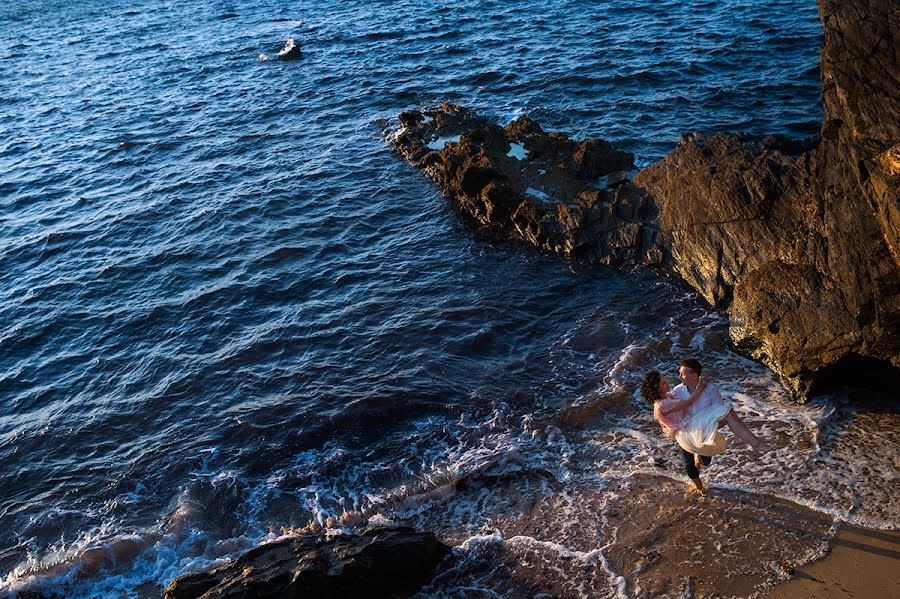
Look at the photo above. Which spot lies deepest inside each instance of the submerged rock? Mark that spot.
(798, 241)
(389, 562)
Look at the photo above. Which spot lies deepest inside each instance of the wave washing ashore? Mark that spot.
(232, 315)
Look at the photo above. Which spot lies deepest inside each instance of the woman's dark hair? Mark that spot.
(650, 387)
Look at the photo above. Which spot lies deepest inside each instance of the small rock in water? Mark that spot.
(291, 51)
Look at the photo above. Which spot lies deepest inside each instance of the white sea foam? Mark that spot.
(537, 193)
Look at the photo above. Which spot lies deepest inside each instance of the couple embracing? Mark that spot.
(692, 413)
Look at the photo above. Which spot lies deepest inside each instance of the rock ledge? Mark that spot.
(524, 183)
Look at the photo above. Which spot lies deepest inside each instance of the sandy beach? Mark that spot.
(862, 563)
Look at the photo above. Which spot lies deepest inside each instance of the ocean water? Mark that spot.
(229, 311)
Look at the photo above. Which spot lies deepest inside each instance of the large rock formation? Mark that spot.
(799, 242)
(391, 562)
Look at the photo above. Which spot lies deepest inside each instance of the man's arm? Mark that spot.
(714, 392)
(686, 402)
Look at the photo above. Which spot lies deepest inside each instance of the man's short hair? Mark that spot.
(693, 365)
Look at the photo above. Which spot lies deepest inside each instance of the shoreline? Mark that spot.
(657, 537)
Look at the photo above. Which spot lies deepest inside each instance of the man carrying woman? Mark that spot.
(692, 413)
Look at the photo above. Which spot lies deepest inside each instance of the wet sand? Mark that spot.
(862, 563)
(736, 544)
(645, 536)
(669, 542)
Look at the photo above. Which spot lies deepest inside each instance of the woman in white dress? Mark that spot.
(696, 431)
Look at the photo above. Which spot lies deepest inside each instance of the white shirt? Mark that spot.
(710, 396)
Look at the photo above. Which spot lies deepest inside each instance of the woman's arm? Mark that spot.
(680, 405)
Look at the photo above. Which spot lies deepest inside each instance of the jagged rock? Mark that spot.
(725, 203)
(391, 562)
(525, 183)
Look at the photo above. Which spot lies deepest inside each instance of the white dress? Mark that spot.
(701, 433)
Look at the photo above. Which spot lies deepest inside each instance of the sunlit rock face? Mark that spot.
(799, 241)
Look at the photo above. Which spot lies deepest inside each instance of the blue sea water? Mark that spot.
(229, 311)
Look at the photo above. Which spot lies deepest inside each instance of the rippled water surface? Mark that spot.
(229, 311)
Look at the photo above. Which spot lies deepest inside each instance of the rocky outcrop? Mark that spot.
(391, 562)
(799, 242)
(522, 182)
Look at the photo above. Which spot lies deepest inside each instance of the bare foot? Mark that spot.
(694, 492)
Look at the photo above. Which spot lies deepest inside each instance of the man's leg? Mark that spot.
(701, 461)
(691, 469)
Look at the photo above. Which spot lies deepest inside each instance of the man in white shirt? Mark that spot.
(689, 372)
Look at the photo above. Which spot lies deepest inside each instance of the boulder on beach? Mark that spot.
(386, 562)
